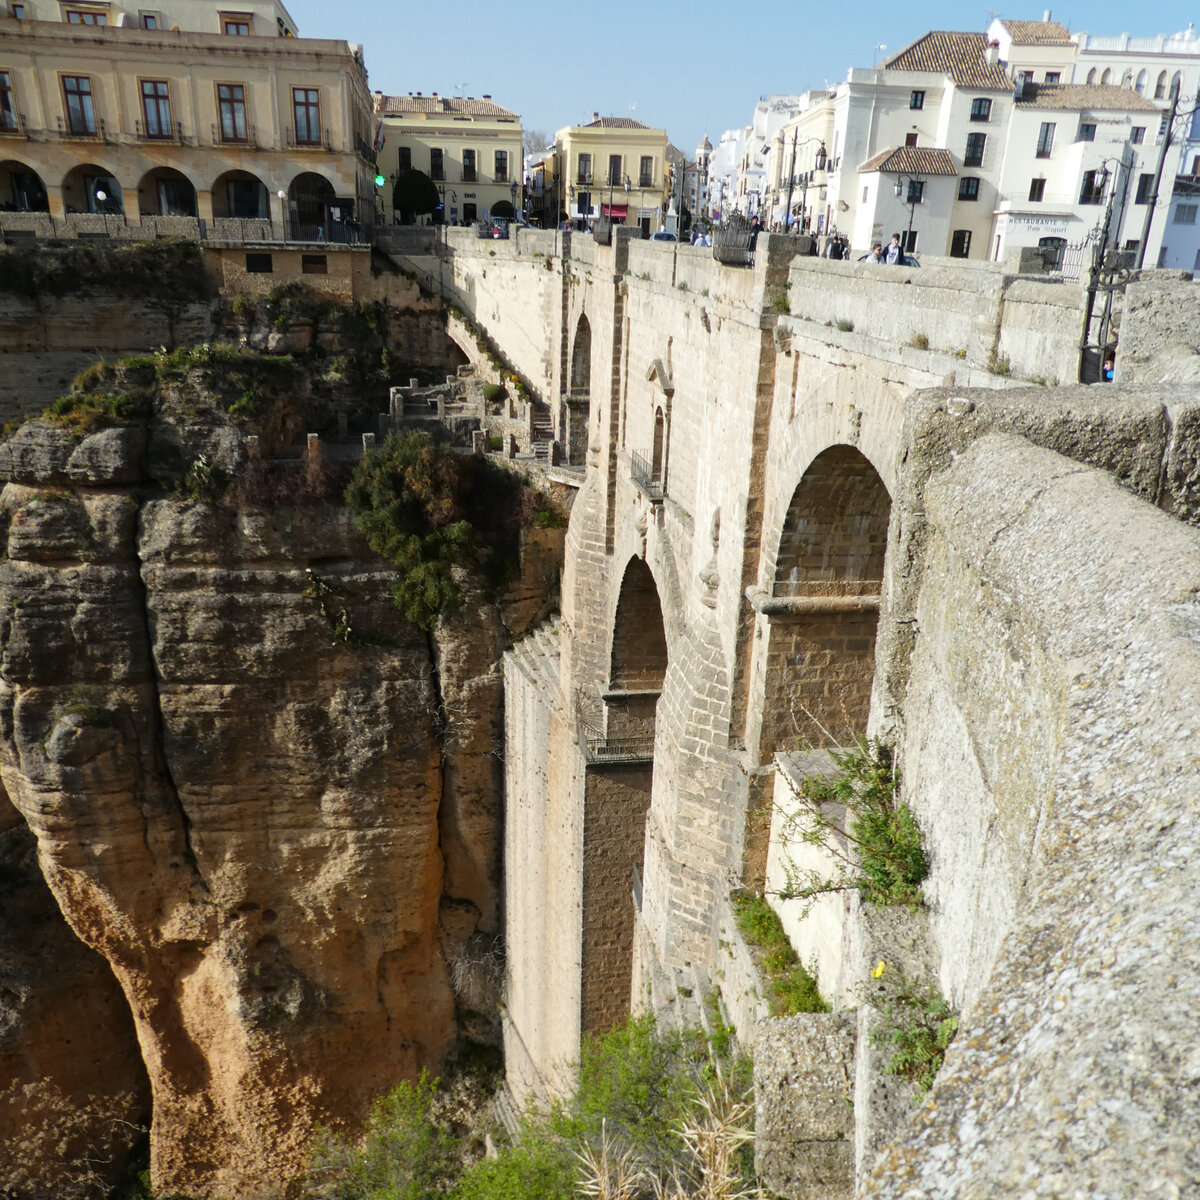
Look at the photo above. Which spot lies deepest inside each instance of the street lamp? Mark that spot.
(821, 158)
(283, 212)
(911, 203)
(101, 199)
(512, 191)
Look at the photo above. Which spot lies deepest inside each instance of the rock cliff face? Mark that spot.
(271, 805)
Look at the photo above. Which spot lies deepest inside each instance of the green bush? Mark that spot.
(886, 860)
(430, 511)
(493, 392)
(917, 1024)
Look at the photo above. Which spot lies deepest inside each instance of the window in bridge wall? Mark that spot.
(581, 359)
(829, 570)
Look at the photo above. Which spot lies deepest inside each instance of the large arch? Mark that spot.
(166, 192)
(581, 358)
(575, 415)
(308, 206)
(88, 188)
(617, 790)
(824, 607)
(240, 194)
(21, 188)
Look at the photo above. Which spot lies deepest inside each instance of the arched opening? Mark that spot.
(502, 208)
(21, 189)
(1106, 76)
(240, 194)
(657, 465)
(620, 773)
(1091, 77)
(309, 195)
(1176, 83)
(91, 189)
(165, 192)
(1141, 82)
(581, 359)
(825, 609)
(1160, 87)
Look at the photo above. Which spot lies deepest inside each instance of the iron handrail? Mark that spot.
(643, 473)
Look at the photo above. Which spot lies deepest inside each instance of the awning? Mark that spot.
(614, 210)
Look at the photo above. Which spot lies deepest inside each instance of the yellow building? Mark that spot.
(189, 112)
(614, 166)
(471, 149)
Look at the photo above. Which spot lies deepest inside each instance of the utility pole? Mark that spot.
(1152, 200)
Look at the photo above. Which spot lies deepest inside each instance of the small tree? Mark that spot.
(413, 194)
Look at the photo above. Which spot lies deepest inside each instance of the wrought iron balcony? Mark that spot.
(12, 124)
(93, 133)
(316, 139)
(171, 132)
(644, 474)
(599, 748)
(223, 137)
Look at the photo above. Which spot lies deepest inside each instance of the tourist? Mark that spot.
(894, 256)
(876, 255)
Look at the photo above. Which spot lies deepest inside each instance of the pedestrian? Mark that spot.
(894, 256)
(755, 226)
(875, 258)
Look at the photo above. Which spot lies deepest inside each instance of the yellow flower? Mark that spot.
(878, 969)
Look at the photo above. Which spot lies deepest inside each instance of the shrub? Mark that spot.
(430, 511)
(845, 326)
(999, 364)
(917, 1024)
(493, 392)
(885, 861)
(919, 341)
(84, 413)
(791, 985)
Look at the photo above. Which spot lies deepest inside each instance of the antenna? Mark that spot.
(878, 50)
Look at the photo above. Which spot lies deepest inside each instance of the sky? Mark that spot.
(694, 69)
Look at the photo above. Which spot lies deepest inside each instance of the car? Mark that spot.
(909, 260)
(663, 236)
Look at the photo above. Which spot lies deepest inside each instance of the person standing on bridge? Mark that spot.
(894, 256)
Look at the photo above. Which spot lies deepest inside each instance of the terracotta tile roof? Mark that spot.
(1037, 33)
(451, 105)
(1081, 96)
(615, 123)
(959, 55)
(912, 160)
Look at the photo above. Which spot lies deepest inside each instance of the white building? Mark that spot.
(770, 114)
(723, 171)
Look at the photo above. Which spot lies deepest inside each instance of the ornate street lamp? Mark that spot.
(821, 158)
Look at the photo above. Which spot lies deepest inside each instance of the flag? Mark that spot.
(378, 144)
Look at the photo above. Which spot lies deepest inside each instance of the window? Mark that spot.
(968, 188)
(908, 242)
(1185, 214)
(1160, 88)
(1053, 76)
(500, 174)
(8, 103)
(1045, 141)
(306, 107)
(1176, 83)
(156, 108)
(1037, 190)
(231, 105)
(1132, 244)
(974, 155)
(981, 109)
(1092, 189)
(1087, 132)
(436, 169)
(1196, 165)
(468, 167)
(614, 170)
(1137, 135)
(81, 115)
(916, 100)
(18, 11)
(916, 191)
(1144, 188)
(584, 173)
(404, 158)
(236, 24)
(148, 20)
(1106, 78)
(1141, 83)
(314, 264)
(646, 173)
(1053, 250)
(1091, 77)
(259, 264)
(85, 17)
(1196, 264)
(910, 139)
(960, 244)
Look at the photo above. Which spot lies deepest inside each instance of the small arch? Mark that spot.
(88, 188)
(166, 192)
(1106, 78)
(502, 208)
(1176, 83)
(1091, 77)
(309, 195)
(581, 359)
(639, 646)
(821, 649)
(21, 188)
(1160, 87)
(1141, 82)
(240, 194)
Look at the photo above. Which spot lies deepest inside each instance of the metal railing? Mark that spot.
(12, 124)
(173, 132)
(69, 133)
(322, 141)
(733, 242)
(250, 138)
(643, 473)
(598, 747)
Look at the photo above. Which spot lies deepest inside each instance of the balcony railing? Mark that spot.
(583, 180)
(12, 124)
(321, 140)
(171, 132)
(221, 137)
(94, 133)
(646, 476)
(599, 748)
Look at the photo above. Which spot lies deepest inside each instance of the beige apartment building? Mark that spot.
(188, 111)
(471, 149)
(614, 166)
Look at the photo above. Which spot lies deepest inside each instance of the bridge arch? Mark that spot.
(581, 358)
(823, 610)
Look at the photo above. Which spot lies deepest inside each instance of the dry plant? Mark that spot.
(609, 1175)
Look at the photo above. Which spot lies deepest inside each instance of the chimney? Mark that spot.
(991, 55)
(595, 116)
(1046, 15)
(487, 95)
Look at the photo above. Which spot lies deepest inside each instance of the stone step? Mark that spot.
(505, 1111)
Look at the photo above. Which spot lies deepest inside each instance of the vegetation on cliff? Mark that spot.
(667, 1111)
(431, 511)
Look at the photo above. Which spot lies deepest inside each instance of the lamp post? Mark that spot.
(512, 191)
(283, 212)
(821, 158)
(910, 204)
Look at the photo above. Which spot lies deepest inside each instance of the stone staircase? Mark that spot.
(537, 655)
(542, 433)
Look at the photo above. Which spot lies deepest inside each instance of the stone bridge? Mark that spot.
(824, 499)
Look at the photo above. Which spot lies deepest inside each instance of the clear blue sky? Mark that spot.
(693, 69)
